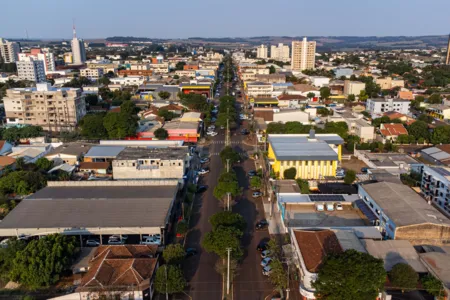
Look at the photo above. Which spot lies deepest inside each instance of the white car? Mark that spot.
(339, 207)
(267, 270)
(203, 171)
(212, 133)
(151, 240)
(93, 242)
(265, 254)
(116, 242)
(266, 261)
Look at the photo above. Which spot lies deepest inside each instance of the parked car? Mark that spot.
(262, 246)
(191, 252)
(116, 242)
(203, 171)
(151, 240)
(364, 170)
(265, 254)
(212, 133)
(204, 160)
(263, 224)
(93, 242)
(267, 270)
(256, 194)
(118, 237)
(202, 189)
(252, 173)
(320, 207)
(339, 207)
(266, 261)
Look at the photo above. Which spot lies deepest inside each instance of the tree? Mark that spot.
(180, 65)
(91, 99)
(44, 164)
(193, 101)
(433, 285)
(174, 254)
(303, 185)
(167, 115)
(272, 70)
(43, 261)
(169, 280)
(325, 92)
(274, 248)
(362, 279)
(310, 95)
(322, 111)
(224, 187)
(351, 97)
(363, 95)
(231, 154)
(164, 95)
(7, 255)
(228, 219)
(22, 182)
(20, 163)
(435, 99)
(350, 177)
(290, 173)
(278, 275)
(161, 134)
(104, 80)
(403, 277)
(218, 240)
(440, 135)
(255, 182)
(92, 126)
(419, 129)
(403, 139)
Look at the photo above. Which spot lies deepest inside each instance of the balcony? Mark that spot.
(427, 178)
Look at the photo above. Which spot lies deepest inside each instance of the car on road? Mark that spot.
(252, 173)
(214, 111)
(265, 254)
(203, 171)
(212, 133)
(191, 252)
(256, 194)
(93, 242)
(202, 189)
(204, 160)
(266, 261)
(261, 246)
(267, 270)
(263, 224)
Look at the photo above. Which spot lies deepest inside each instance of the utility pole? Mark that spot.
(228, 165)
(228, 201)
(228, 271)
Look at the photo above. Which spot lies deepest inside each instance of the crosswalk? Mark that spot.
(241, 154)
(223, 142)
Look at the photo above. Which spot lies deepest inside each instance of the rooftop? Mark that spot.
(130, 153)
(104, 151)
(387, 100)
(402, 205)
(71, 149)
(393, 129)
(439, 265)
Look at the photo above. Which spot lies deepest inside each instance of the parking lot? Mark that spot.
(133, 239)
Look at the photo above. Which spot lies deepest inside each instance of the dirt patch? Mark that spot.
(353, 164)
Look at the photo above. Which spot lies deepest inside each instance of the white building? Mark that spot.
(303, 55)
(319, 81)
(129, 80)
(280, 52)
(78, 50)
(262, 51)
(435, 186)
(47, 57)
(353, 87)
(92, 73)
(380, 106)
(9, 51)
(31, 69)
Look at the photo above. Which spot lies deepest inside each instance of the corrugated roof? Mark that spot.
(104, 151)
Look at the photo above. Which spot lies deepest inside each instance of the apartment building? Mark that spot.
(259, 89)
(280, 52)
(9, 51)
(303, 55)
(106, 65)
(92, 73)
(262, 52)
(160, 68)
(353, 87)
(435, 186)
(54, 109)
(387, 83)
(381, 105)
(147, 163)
(37, 54)
(31, 69)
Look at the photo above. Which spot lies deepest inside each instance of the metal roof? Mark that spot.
(93, 206)
(105, 151)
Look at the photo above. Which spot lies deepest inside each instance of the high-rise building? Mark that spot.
(280, 52)
(29, 68)
(447, 60)
(55, 109)
(303, 55)
(262, 51)
(9, 51)
(37, 54)
(78, 50)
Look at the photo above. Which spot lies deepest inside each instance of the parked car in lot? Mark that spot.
(266, 261)
(256, 194)
(267, 270)
(191, 252)
(203, 171)
(330, 207)
(212, 133)
(265, 254)
(93, 242)
(261, 225)
(115, 241)
(151, 240)
(204, 160)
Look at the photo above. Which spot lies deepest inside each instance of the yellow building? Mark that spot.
(313, 156)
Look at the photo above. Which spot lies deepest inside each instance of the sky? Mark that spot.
(51, 19)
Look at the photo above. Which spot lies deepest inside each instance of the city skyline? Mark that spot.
(344, 18)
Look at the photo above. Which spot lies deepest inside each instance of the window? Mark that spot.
(179, 164)
(371, 205)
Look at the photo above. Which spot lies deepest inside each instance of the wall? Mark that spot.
(432, 234)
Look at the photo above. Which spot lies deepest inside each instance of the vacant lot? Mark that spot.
(353, 164)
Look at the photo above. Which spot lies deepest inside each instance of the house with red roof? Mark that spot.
(392, 131)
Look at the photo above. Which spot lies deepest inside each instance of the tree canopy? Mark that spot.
(290, 173)
(161, 134)
(22, 182)
(169, 279)
(231, 154)
(228, 219)
(218, 240)
(174, 254)
(403, 277)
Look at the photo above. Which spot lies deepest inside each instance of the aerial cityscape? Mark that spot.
(224, 155)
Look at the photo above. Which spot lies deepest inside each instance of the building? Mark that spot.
(69, 153)
(437, 155)
(280, 52)
(37, 54)
(194, 87)
(353, 87)
(303, 55)
(387, 83)
(392, 131)
(262, 51)
(145, 163)
(95, 208)
(258, 89)
(361, 128)
(346, 72)
(92, 73)
(394, 163)
(31, 69)
(435, 186)
(314, 156)
(447, 59)
(9, 51)
(54, 109)
(319, 81)
(439, 111)
(103, 153)
(380, 105)
(78, 49)
(7, 162)
(404, 215)
(271, 78)
(437, 263)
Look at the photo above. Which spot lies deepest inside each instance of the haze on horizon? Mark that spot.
(232, 18)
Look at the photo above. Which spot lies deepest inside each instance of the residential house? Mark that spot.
(5, 147)
(7, 162)
(396, 115)
(70, 153)
(387, 83)
(392, 131)
(291, 101)
(405, 94)
(439, 111)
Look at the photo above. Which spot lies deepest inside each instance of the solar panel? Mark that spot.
(366, 210)
(326, 198)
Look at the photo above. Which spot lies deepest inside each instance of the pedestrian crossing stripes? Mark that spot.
(223, 142)
(241, 154)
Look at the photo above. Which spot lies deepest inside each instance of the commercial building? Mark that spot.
(78, 49)
(262, 51)
(195, 87)
(258, 89)
(106, 65)
(394, 163)
(380, 105)
(319, 81)
(387, 83)
(95, 208)
(280, 52)
(31, 69)
(437, 155)
(145, 163)
(353, 87)
(314, 156)
(303, 55)
(435, 186)
(9, 51)
(347, 72)
(92, 73)
(270, 78)
(439, 111)
(54, 109)
(404, 215)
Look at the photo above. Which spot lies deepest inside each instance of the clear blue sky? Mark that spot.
(223, 18)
